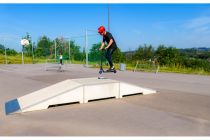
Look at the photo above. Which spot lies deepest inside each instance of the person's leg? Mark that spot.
(111, 52)
(109, 56)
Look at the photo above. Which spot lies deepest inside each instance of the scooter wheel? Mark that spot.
(115, 71)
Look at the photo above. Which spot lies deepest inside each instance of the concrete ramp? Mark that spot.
(73, 90)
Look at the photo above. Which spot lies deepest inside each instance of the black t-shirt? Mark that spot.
(107, 38)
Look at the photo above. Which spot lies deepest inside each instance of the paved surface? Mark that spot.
(181, 107)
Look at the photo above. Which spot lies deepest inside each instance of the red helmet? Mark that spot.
(101, 29)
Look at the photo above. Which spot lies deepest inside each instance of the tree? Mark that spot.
(167, 55)
(118, 56)
(145, 52)
(75, 53)
(2, 49)
(44, 46)
(11, 52)
(95, 54)
(28, 48)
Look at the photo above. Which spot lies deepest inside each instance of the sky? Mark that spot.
(132, 25)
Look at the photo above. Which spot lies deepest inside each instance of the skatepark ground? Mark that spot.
(181, 106)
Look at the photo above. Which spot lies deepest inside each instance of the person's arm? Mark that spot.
(102, 45)
(110, 43)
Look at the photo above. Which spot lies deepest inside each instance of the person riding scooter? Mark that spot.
(111, 45)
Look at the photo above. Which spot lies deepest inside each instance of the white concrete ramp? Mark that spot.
(73, 90)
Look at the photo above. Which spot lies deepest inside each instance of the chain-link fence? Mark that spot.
(77, 49)
(8, 55)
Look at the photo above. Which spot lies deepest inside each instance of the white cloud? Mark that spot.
(202, 29)
(198, 25)
(198, 22)
(136, 31)
(194, 32)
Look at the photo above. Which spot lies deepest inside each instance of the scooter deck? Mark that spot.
(107, 71)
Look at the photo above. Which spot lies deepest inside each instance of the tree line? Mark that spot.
(161, 55)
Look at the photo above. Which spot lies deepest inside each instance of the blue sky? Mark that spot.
(178, 25)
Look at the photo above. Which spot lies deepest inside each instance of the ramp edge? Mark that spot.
(12, 106)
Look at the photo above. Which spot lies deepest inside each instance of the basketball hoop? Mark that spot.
(24, 42)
